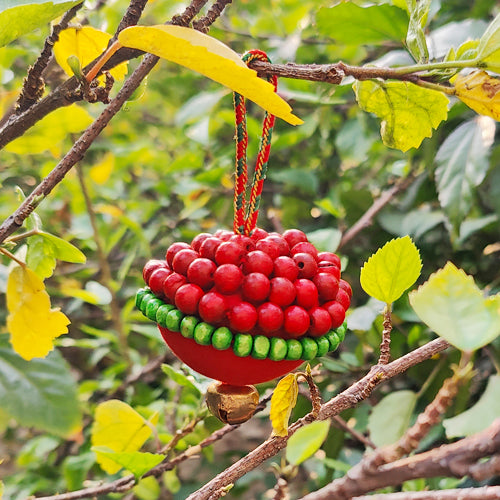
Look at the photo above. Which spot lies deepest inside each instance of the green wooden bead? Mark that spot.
(243, 343)
(151, 308)
(203, 333)
(144, 302)
(261, 345)
(162, 312)
(188, 324)
(222, 338)
(341, 331)
(294, 350)
(309, 348)
(333, 338)
(278, 349)
(323, 346)
(173, 320)
(140, 295)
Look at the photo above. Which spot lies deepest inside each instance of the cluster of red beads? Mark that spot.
(266, 283)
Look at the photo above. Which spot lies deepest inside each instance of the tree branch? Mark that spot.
(482, 493)
(347, 399)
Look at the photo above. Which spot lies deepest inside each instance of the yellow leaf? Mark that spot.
(86, 43)
(391, 270)
(120, 428)
(282, 403)
(31, 322)
(51, 130)
(100, 172)
(481, 92)
(211, 58)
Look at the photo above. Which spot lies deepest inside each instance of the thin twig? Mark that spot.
(385, 346)
(340, 422)
(106, 276)
(34, 84)
(482, 493)
(214, 12)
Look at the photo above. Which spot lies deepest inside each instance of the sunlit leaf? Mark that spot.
(399, 406)
(409, 113)
(488, 51)
(391, 270)
(453, 306)
(101, 171)
(47, 134)
(18, 17)
(283, 401)
(478, 417)
(304, 443)
(352, 24)
(31, 322)
(462, 164)
(44, 249)
(86, 43)
(481, 92)
(120, 428)
(136, 462)
(210, 57)
(40, 393)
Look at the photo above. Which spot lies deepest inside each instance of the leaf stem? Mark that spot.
(27, 234)
(12, 256)
(418, 68)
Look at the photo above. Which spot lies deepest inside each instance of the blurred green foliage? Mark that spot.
(170, 178)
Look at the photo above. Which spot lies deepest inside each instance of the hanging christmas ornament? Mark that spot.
(246, 306)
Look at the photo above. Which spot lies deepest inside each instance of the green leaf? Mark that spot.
(51, 130)
(18, 17)
(390, 418)
(488, 50)
(45, 248)
(391, 270)
(351, 24)
(325, 240)
(136, 462)
(480, 416)
(39, 393)
(453, 306)
(306, 441)
(179, 377)
(283, 401)
(408, 112)
(415, 38)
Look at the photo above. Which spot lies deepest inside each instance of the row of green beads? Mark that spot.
(257, 346)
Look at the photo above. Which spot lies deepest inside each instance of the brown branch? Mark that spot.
(347, 399)
(342, 424)
(385, 346)
(450, 460)
(367, 218)
(34, 84)
(131, 17)
(214, 12)
(482, 493)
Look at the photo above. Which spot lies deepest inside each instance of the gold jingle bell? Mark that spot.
(232, 404)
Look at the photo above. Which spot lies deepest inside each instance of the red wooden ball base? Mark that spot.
(225, 366)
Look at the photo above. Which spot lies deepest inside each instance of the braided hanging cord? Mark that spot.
(245, 214)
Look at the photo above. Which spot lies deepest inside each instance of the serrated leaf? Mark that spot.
(283, 401)
(304, 443)
(136, 462)
(18, 17)
(178, 377)
(391, 270)
(50, 131)
(43, 251)
(478, 417)
(351, 24)
(120, 428)
(452, 305)
(409, 113)
(415, 38)
(462, 163)
(399, 405)
(40, 393)
(211, 58)
(86, 43)
(31, 322)
(488, 50)
(481, 92)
